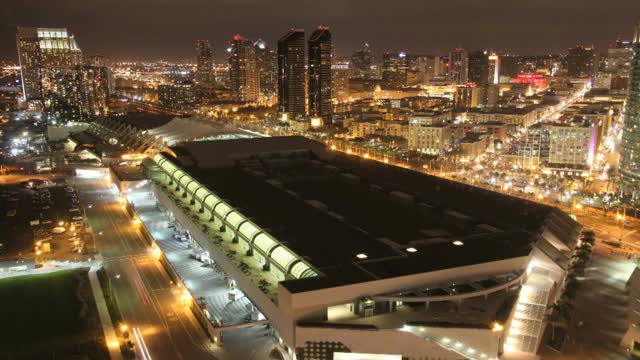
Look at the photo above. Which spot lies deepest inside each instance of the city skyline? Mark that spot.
(512, 27)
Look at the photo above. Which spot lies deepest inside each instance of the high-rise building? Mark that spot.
(630, 152)
(618, 64)
(494, 69)
(394, 69)
(534, 149)
(462, 97)
(243, 69)
(362, 63)
(179, 96)
(510, 65)
(581, 62)
(291, 74)
(493, 95)
(266, 59)
(204, 62)
(340, 73)
(78, 93)
(430, 133)
(320, 55)
(572, 145)
(430, 69)
(40, 50)
(459, 66)
(479, 67)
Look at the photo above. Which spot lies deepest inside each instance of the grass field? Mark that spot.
(46, 312)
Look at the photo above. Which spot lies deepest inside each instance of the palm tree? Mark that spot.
(561, 311)
(582, 254)
(570, 289)
(588, 237)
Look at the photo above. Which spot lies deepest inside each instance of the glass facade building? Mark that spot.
(630, 151)
(291, 74)
(320, 74)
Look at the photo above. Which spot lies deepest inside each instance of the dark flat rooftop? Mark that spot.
(329, 217)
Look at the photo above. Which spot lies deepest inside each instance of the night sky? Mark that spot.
(166, 29)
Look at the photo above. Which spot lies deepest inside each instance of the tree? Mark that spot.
(570, 289)
(588, 237)
(561, 311)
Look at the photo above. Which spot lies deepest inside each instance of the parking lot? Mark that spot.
(42, 218)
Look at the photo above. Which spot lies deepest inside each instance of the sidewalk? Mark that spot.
(113, 345)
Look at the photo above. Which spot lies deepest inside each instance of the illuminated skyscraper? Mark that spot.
(204, 62)
(291, 74)
(494, 69)
(630, 152)
(361, 63)
(459, 66)
(581, 62)
(40, 50)
(479, 67)
(320, 55)
(267, 67)
(243, 69)
(394, 69)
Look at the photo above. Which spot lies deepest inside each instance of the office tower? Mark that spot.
(463, 97)
(78, 93)
(572, 144)
(39, 51)
(510, 65)
(494, 69)
(266, 59)
(619, 58)
(204, 62)
(180, 96)
(630, 151)
(100, 61)
(243, 69)
(534, 150)
(291, 74)
(30, 63)
(95, 90)
(340, 73)
(493, 95)
(479, 96)
(320, 55)
(362, 63)
(618, 64)
(479, 68)
(394, 70)
(459, 66)
(581, 62)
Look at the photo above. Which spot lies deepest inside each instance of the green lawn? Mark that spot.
(42, 309)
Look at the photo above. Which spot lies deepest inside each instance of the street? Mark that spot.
(150, 305)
